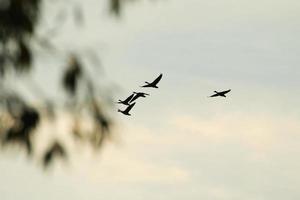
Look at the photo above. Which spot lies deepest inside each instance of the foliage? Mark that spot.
(21, 117)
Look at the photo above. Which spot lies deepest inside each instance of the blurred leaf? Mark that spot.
(55, 151)
(115, 7)
(72, 75)
(24, 123)
(102, 122)
(23, 58)
(18, 17)
(2, 64)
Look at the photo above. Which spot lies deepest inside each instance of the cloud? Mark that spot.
(118, 165)
(223, 154)
(258, 132)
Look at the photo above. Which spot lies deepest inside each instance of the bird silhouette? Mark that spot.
(126, 111)
(154, 83)
(221, 94)
(137, 95)
(127, 100)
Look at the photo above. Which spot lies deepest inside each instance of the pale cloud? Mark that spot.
(261, 136)
(260, 127)
(259, 132)
(118, 165)
(121, 160)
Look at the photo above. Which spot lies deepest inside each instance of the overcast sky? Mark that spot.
(179, 144)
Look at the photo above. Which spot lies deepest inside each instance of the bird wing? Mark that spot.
(135, 97)
(225, 92)
(129, 98)
(157, 79)
(129, 107)
(141, 93)
(147, 85)
(214, 95)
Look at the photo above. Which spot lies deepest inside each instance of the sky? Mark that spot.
(179, 144)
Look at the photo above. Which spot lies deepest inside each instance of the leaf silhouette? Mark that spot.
(72, 75)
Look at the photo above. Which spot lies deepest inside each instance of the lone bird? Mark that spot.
(154, 83)
(137, 95)
(126, 111)
(221, 94)
(126, 101)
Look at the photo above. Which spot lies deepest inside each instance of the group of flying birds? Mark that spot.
(129, 101)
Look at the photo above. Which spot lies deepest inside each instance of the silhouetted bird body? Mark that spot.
(154, 83)
(127, 100)
(221, 94)
(137, 95)
(126, 111)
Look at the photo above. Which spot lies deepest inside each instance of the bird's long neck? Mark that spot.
(216, 92)
(147, 82)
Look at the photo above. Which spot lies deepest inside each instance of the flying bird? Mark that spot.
(221, 94)
(127, 100)
(126, 111)
(154, 83)
(137, 95)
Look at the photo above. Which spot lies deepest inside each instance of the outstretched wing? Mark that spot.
(129, 98)
(214, 95)
(147, 85)
(135, 97)
(225, 92)
(129, 108)
(157, 79)
(141, 93)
